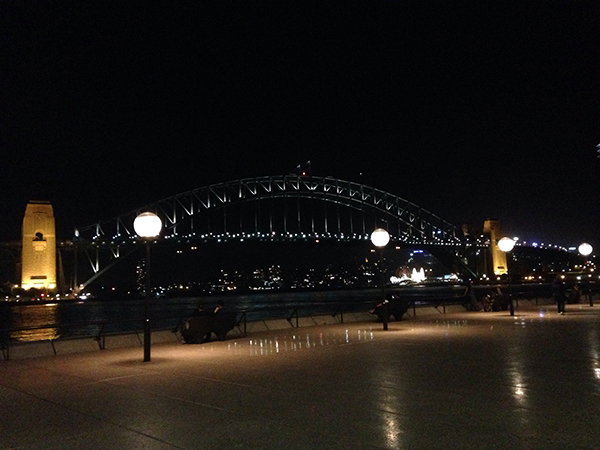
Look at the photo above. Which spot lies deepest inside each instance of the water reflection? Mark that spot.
(517, 369)
(388, 402)
(42, 314)
(299, 341)
(393, 430)
(452, 323)
(390, 384)
(593, 345)
(519, 392)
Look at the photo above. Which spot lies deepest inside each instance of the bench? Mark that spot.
(396, 308)
(199, 329)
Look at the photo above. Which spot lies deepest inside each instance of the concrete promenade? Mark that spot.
(461, 380)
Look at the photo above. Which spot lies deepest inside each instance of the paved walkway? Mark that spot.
(454, 381)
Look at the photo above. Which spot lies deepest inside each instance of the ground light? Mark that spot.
(147, 226)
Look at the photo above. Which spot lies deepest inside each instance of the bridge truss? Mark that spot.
(271, 208)
(287, 207)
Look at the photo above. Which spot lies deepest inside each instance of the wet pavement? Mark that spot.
(454, 381)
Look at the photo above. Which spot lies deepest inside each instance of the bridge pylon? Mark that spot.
(493, 230)
(38, 254)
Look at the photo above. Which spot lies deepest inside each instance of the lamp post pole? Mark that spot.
(147, 320)
(506, 245)
(147, 226)
(585, 250)
(380, 239)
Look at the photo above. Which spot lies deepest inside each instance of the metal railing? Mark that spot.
(100, 330)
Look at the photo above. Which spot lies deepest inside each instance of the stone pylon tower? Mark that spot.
(38, 256)
(491, 229)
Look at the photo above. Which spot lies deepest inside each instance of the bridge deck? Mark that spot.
(461, 380)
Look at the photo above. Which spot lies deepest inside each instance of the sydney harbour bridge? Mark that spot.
(275, 209)
(285, 208)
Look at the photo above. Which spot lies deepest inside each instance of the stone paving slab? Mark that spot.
(461, 380)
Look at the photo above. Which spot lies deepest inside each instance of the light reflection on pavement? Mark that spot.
(299, 340)
(464, 380)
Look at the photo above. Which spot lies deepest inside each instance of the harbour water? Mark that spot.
(62, 319)
(36, 321)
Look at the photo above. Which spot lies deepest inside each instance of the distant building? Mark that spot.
(38, 255)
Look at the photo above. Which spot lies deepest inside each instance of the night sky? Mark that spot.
(469, 109)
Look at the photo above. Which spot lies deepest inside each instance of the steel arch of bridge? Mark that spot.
(363, 208)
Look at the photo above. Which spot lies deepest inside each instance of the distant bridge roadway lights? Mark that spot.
(506, 245)
(147, 226)
(380, 239)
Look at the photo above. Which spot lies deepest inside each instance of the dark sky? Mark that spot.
(469, 109)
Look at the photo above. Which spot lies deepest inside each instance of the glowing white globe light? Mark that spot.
(147, 225)
(506, 244)
(585, 249)
(380, 237)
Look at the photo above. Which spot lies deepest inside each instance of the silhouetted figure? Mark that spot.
(219, 307)
(499, 300)
(378, 310)
(559, 294)
(204, 323)
(200, 311)
(574, 295)
(471, 297)
(185, 331)
(392, 306)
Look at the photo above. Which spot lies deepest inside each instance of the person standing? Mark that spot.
(471, 297)
(574, 296)
(559, 294)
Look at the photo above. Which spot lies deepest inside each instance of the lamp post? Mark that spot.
(147, 226)
(506, 245)
(585, 250)
(380, 239)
